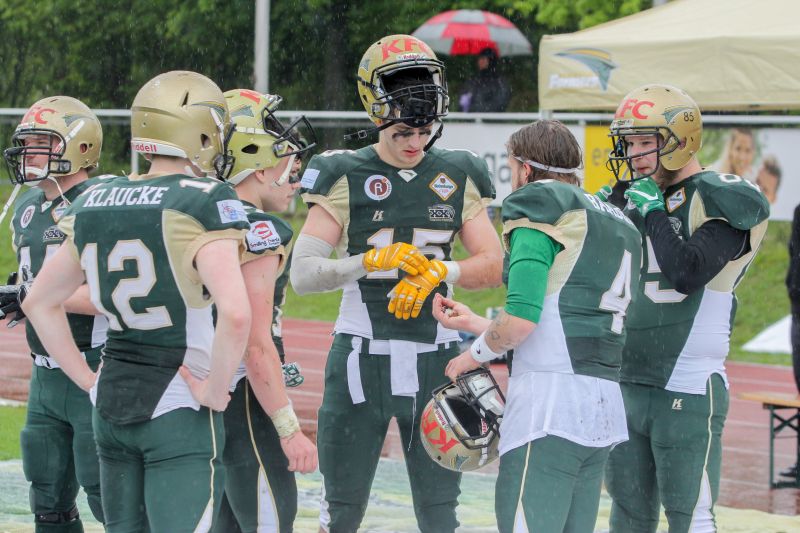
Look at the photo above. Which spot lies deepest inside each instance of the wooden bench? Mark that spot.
(774, 402)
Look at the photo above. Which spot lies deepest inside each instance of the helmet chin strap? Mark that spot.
(286, 172)
(60, 190)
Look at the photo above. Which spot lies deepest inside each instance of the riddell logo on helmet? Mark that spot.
(36, 113)
(147, 148)
(635, 106)
(407, 45)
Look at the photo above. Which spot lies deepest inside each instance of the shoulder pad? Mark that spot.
(325, 169)
(543, 201)
(732, 198)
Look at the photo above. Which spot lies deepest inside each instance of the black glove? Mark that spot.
(11, 298)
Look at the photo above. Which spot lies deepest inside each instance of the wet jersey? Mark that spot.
(377, 204)
(35, 237)
(268, 235)
(136, 240)
(589, 286)
(676, 341)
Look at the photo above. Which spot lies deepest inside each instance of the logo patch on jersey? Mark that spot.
(676, 200)
(46, 205)
(378, 187)
(441, 213)
(26, 217)
(231, 211)
(377, 216)
(407, 174)
(58, 211)
(53, 234)
(676, 224)
(443, 186)
(677, 404)
(262, 236)
(309, 178)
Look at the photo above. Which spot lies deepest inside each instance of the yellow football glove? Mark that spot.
(410, 293)
(397, 255)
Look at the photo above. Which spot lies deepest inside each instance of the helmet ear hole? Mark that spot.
(205, 141)
(84, 148)
(250, 149)
(185, 100)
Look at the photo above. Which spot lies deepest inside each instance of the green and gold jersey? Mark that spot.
(136, 240)
(280, 298)
(589, 286)
(377, 204)
(35, 237)
(676, 341)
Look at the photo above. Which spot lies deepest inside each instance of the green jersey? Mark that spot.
(676, 341)
(136, 240)
(35, 237)
(582, 325)
(377, 204)
(280, 298)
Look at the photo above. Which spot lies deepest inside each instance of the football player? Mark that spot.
(158, 252)
(385, 208)
(55, 147)
(264, 445)
(700, 231)
(572, 262)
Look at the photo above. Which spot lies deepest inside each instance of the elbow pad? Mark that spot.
(313, 271)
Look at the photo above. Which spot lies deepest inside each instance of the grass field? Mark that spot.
(11, 421)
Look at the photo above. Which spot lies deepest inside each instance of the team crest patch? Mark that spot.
(443, 186)
(676, 224)
(378, 187)
(26, 217)
(58, 211)
(262, 236)
(231, 211)
(676, 199)
(441, 213)
(53, 234)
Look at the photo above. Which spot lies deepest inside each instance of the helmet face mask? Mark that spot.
(459, 427)
(664, 112)
(62, 131)
(295, 139)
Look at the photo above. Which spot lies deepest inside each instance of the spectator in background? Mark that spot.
(740, 150)
(793, 285)
(768, 178)
(487, 91)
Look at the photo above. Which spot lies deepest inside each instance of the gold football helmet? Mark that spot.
(259, 139)
(660, 110)
(417, 103)
(460, 425)
(63, 129)
(183, 114)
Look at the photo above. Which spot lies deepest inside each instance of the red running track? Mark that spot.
(745, 459)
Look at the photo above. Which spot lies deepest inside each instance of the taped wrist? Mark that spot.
(313, 271)
(285, 421)
(453, 271)
(480, 350)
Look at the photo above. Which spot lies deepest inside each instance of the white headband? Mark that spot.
(557, 170)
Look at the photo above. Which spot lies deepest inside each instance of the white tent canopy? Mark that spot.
(727, 54)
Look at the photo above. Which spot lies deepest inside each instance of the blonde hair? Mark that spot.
(726, 164)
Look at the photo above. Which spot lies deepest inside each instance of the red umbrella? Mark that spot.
(468, 31)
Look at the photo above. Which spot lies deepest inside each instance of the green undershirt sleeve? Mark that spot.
(532, 255)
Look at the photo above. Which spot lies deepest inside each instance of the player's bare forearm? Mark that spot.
(80, 303)
(484, 267)
(506, 332)
(265, 374)
(482, 270)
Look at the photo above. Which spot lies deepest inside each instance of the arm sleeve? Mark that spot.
(617, 198)
(532, 255)
(313, 271)
(691, 264)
